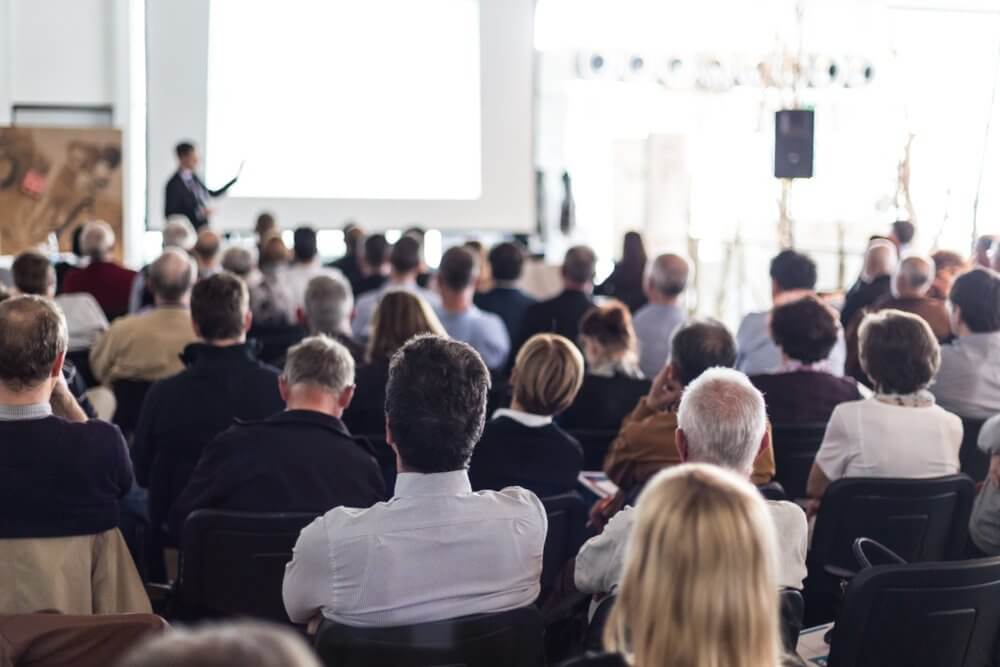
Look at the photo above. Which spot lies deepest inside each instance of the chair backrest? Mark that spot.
(567, 515)
(975, 463)
(595, 444)
(593, 641)
(773, 491)
(920, 519)
(233, 563)
(272, 341)
(129, 397)
(920, 615)
(795, 447)
(793, 609)
(508, 639)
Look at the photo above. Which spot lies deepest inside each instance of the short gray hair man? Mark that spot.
(319, 362)
(239, 261)
(914, 277)
(172, 276)
(328, 304)
(668, 275)
(178, 232)
(96, 240)
(722, 420)
(33, 344)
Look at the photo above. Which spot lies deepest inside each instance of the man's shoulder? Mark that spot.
(751, 322)
(95, 431)
(787, 515)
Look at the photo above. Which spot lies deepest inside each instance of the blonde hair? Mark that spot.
(399, 316)
(548, 372)
(699, 587)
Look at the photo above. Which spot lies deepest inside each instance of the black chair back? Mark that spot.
(975, 462)
(129, 397)
(793, 610)
(508, 639)
(595, 444)
(773, 491)
(567, 515)
(920, 615)
(233, 563)
(593, 641)
(795, 447)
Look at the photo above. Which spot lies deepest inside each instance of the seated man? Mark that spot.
(299, 460)
(463, 321)
(656, 322)
(645, 443)
(327, 311)
(223, 381)
(506, 299)
(147, 346)
(722, 420)
(875, 281)
(436, 550)
(107, 281)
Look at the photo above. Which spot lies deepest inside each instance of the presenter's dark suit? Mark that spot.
(190, 200)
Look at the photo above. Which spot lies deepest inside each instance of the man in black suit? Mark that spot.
(506, 299)
(186, 195)
(562, 314)
(300, 460)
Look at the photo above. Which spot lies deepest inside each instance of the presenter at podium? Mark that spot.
(186, 195)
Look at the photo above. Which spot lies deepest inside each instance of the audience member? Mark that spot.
(476, 552)
(300, 460)
(419, 234)
(399, 317)
(656, 322)
(722, 422)
(405, 264)
(376, 264)
(802, 389)
(874, 283)
(901, 235)
(699, 587)
(645, 443)
(948, 265)
(178, 232)
(233, 644)
(207, 252)
(793, 276)
(485, 332)
(147, 346)
(968, 383)
(627, 281)
(264, 228)
(505, 298)
(221, 381)
(899, 432)
(240, 262)
(352, 264)
(984, 525)
(304, 267)
(562, 314)
(484, 283)
(982, 250)
(270, 299)
(107, 281)
(80, 640)
(327, 311)
(521, 446)
(613, 384)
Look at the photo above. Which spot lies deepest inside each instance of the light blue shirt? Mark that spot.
(483, 331)
(968, 382)
(364, 309)
(757, 353)
(655, 324)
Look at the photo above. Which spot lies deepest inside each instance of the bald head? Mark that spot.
(913, 278)
(33, 342)
(880, 260)
(668, 278)
(207, 247)
(171, 277)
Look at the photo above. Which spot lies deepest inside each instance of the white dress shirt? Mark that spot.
(523, 418)
(435, 551)
(364, 309)
(968, 382)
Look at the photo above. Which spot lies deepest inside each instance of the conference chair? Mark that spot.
(233, 563)
(773, 490)
(271, 342)
(795, 447)
(920, 615)
(129, 397)
(975, 463)
(919, 519)
(508, 639)
(595, 444)
(567, 514)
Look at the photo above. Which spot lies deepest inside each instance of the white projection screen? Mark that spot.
(389, 112)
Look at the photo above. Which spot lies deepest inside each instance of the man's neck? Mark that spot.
(505, 284)
(164, 303)
(402, 278)
(572, 286)
(226, 342)
(315, 401)
(455, 302)
(40, 394)
(661, 299)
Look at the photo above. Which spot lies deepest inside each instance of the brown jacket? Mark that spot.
(645, 445)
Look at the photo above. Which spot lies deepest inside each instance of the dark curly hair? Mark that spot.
(977, 296)
(804, 329)
(793, 270)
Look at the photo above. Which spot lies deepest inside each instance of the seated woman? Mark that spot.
(613, 384)
(521, 446)
(899, 432)
(699, 585)
(984, 524)
(803, 390)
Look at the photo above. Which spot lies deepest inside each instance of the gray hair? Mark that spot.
(97, 239)
(328, 304)
(724, 418)
(914, 277)
(178, 232)
(239, 260)
(668, 274)
(880, 260)
(34, 335)
(319, 361)
(172, 275)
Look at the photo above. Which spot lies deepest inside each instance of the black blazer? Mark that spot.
(179, 199)
(560, 314)
(294, 461)
(545, 460)
(603, 402)
(509, 303)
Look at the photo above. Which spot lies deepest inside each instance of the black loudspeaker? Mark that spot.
(793, 143)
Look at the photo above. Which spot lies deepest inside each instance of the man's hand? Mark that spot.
(666, 390)
(993, 476)
(64, 403)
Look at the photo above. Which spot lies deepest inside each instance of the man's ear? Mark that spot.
(345, 397)
(300, 316)
(388, 436)
(57, 365)
(681, 441)
(283, 388)
(247, 320)
(765, 442)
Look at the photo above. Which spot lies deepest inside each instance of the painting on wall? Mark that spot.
(52, 180)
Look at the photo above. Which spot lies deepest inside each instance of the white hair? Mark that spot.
(319, 361)
(914, 275)
(97, 239)
(723, 417)
(178, 232)
(328, 304)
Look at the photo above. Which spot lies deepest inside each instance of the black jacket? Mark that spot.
(545, 459)
(366, 413)
(603, 402)
(861, 295)
(179, 199)
(182, 413)
(294, 461)
(560, 314)
(509, 303)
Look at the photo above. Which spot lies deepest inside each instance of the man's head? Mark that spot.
(318, 375)
(187, 156)
(506, 262)
(265, 226)
(178, 232)
(458, 271)
(668, 276)
(304, 245)
(913, 278)
(578, 268)
(33, 344)
(792, 270)
(975, 302)
(238, 261)
(698, 345)
(97, 240)
(328, 305)
(171, 277)
(353, 237)
(376, 252)
(33, 274)
(405, 257)
(880, 260)
(207, 248)
(721, 420)
(435, 403)
(220, 309)
(902, 233)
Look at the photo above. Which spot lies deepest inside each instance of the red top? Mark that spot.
(107, 282)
